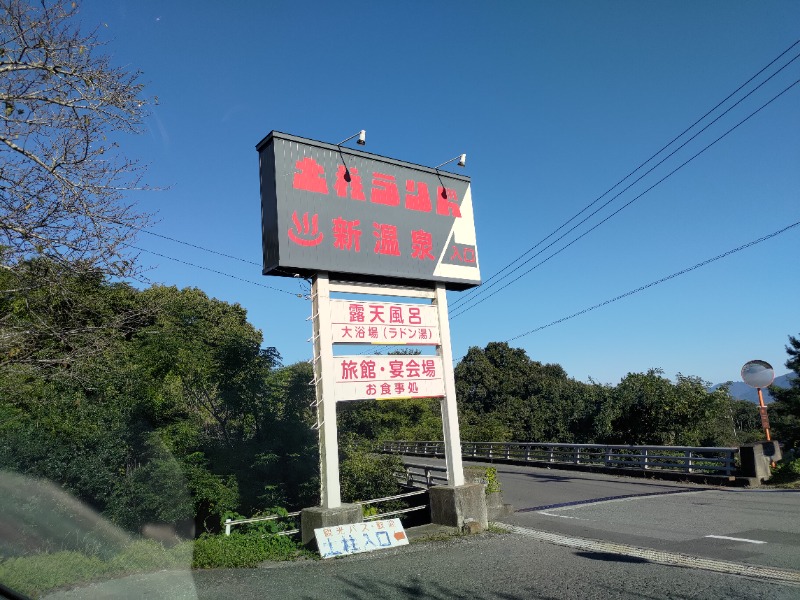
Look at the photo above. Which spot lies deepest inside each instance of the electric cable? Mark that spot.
(461, 310)
(659, 281)
(483, 288)
(178, 260)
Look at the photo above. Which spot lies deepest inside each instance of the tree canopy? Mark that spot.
(785, 410)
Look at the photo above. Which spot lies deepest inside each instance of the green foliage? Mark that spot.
(241, 550)
(33, 575)
(38, 573)
(786, 471)
(180, 415)
(785, 410)
(366, 476)
(492, 483)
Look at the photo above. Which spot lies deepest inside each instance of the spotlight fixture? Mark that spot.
(362, 138)
(461, 158)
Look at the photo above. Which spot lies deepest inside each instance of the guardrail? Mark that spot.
(681, 459)
(416, 475)
(229, 523)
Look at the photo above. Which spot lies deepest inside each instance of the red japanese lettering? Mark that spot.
(396, 314)
(310, 176)
(395, 368)
(417, 196)
(412, 369)
(386, 239)
(349, 369)
(384, 190)
(447, 202)
(414, 315)
(367, 369)
(429, 368)
(376, 312)
(346, 235)
(356, 313)
(421, 245)
(348, 179)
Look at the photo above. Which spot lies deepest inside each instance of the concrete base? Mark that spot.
(756, 459)
(317, 516)
(495, 508)
(453, 506)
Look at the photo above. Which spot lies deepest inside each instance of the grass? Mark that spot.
(37, 574)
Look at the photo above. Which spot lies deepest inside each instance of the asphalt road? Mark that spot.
(668, 516)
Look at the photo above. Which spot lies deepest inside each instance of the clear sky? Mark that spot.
(554, 103)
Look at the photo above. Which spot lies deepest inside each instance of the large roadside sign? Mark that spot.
(352, 213)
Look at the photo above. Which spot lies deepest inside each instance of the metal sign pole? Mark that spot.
(326, 405)
(452, 435)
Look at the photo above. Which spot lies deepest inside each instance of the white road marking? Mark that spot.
(544, 512)
(735, 539)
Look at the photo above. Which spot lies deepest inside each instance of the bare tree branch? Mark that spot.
(63, 106)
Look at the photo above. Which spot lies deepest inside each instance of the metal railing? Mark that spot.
(416, 475)
(233, 522)
(681, 459)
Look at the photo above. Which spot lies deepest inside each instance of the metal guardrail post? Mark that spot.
(527, 452)
(228, 526)
(688, 454)
(508, 451)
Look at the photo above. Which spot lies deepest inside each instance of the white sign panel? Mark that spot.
(342, 540)
(387, 377)
(384, 323)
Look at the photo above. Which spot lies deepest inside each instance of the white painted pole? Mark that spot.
(452, 435)
(326, 406)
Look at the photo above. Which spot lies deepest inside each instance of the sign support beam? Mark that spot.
(326, 404)
(452, 434)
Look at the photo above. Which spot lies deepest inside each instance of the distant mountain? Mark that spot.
(742, 391)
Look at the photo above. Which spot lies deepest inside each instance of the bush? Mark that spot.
(787, 471)
(241, 550)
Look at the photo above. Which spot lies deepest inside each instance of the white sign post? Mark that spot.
(363, 377)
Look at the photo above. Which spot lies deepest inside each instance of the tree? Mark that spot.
(785, 410)
(62, 177)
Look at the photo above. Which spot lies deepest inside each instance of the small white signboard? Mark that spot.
(342, 540)
(384, 323)
(387, 377)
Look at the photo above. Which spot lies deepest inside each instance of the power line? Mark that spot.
(469, 307)
(203, 248)
(662, 280)
(178, 260)
(191, 245)
(483, 288)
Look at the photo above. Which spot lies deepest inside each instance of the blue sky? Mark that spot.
(553, 102)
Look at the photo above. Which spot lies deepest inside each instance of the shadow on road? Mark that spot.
(608, 557)
(415, 587)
